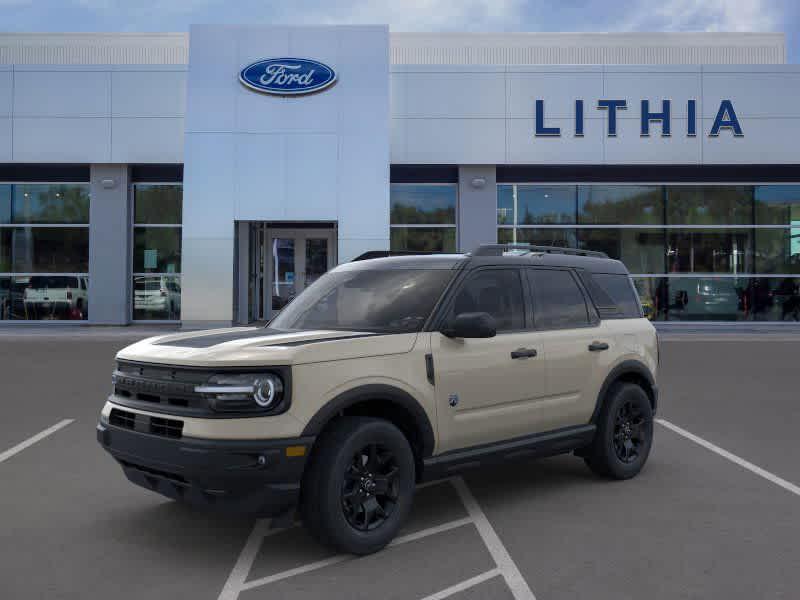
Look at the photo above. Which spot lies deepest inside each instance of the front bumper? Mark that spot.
(243, 476)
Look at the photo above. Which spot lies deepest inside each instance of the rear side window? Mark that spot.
(497, 292)
(558, 302)
(620, 289)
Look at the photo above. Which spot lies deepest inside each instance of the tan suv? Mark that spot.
(388, 372)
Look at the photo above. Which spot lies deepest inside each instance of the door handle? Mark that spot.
(598, 346)
(523, 353)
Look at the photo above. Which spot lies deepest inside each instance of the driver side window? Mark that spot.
(494, 291)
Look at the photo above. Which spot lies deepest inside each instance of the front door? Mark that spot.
(283, 262)
(489, 389)
(295, 258)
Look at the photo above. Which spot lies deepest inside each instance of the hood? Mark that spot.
(257, 346)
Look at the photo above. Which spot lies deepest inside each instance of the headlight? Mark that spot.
(243, 392)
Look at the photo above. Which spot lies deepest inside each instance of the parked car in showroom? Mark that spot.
(388, 372)
(158, 295)
(56, 297)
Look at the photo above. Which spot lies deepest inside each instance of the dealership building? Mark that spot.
(207, 177)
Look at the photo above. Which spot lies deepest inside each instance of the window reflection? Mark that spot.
(423, 204)
(157, 213)
(709, 251)
(709, 205)
(44, 297)
(629, 204)
(156, 297)
(642, 250)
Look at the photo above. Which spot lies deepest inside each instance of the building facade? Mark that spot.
(209, 177)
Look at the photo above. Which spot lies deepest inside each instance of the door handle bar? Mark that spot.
(598, 346)
(523, 353)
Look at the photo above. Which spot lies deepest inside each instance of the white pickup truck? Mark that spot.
(56, 297)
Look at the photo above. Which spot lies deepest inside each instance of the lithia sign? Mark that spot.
(725, 120)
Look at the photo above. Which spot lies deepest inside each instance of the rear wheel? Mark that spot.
(624, 433)
(359, 486)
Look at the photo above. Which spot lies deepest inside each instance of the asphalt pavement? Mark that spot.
(719, 520)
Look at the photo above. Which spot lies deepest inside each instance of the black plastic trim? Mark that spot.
(624, 368)
(243, 476)
(49, 173)
(430, 373)
(423, 174)
(379, 392)
(538, 445)
(658, 174)
(157, 173)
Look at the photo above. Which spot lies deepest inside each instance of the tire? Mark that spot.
(358, 489)
(624, 433)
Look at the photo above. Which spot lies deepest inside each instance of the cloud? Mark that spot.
(415, 15)
(705, 15)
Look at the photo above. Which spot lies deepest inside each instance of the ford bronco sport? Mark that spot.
(388, 372)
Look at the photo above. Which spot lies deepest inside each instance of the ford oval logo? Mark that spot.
(287, 76)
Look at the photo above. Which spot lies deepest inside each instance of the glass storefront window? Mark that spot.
(778, 250)
(416, 205)
(157, 214)
(423, 204)
(642, 250)
(710, 251)
(44, 251)
(563, 238)
(709, 205)
(778, 205)
(44, 204)
(617, 204)
(423, 239)
(156, 297)
(535, 204)
(157, 250)
(708, 299)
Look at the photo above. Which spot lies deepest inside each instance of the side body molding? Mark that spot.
(379, 393)
(627, 368)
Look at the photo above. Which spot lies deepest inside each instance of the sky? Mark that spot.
(413, 15)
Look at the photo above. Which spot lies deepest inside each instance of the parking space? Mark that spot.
(694, 524)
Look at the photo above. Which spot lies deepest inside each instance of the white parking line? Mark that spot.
(241, 569)
(788, 486)
(33, 439)
(464, 585)
(417, 535)
(505, 564)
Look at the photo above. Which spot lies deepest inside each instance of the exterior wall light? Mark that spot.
(478, 182)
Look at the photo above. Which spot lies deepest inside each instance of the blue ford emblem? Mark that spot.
(287, 76)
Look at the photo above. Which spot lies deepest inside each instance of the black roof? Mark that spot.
(594, 262)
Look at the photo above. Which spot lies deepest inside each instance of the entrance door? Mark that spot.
(293, 260)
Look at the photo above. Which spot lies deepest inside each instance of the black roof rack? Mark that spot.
(499, 249)
(386, 253)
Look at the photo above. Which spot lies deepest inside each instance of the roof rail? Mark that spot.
(369, 254)
(499, 249)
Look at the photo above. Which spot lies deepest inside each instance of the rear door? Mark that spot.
(488, 389)
(576, 345)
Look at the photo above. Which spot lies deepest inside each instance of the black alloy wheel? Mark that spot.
(630, 431)
(371, 487)
(358, 487)
(624, 433)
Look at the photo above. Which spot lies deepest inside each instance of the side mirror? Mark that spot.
(471, 325)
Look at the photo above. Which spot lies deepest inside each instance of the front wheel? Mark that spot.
(624, 433)
(359, 487)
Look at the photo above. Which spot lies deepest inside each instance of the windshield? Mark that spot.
(385, 301)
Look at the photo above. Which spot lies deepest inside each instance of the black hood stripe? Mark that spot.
(207, 341)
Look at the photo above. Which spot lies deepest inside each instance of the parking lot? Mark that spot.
(715, 513)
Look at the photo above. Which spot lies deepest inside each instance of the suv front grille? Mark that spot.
(171, 428)
(168, 387)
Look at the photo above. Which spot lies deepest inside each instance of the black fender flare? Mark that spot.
(379, 392)
(624, 368)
